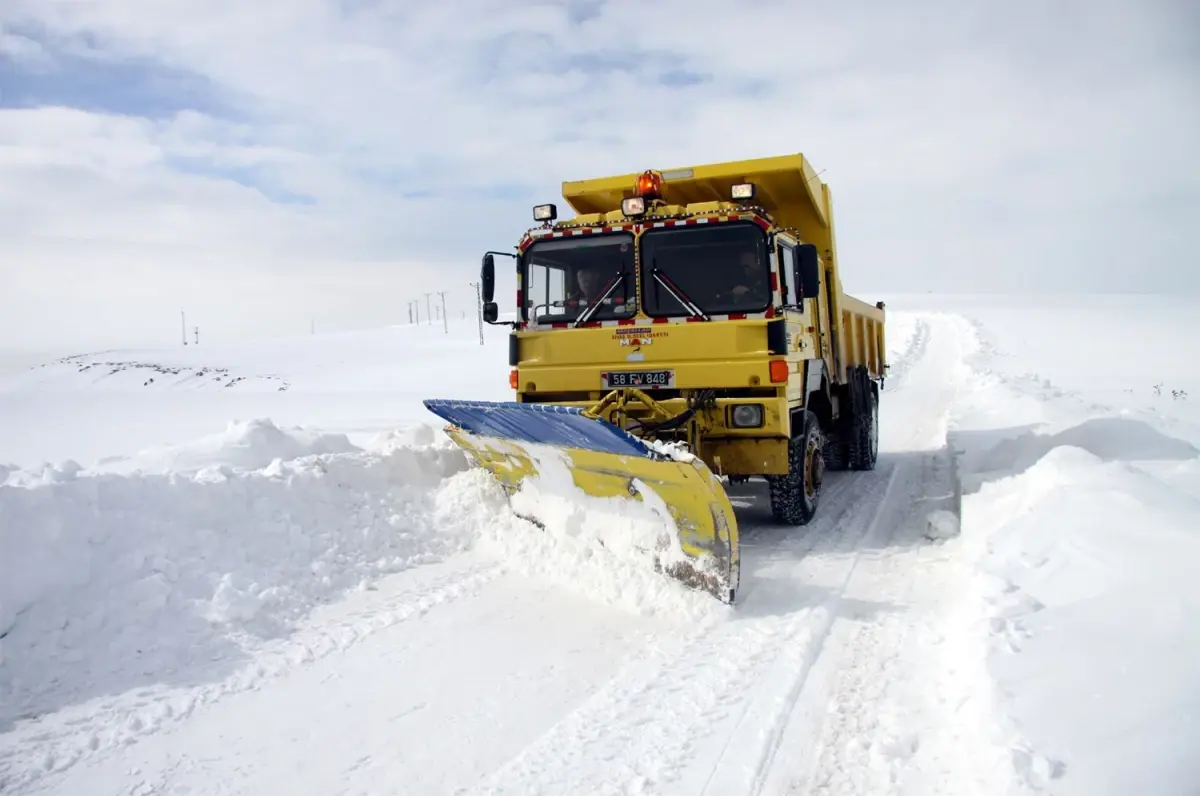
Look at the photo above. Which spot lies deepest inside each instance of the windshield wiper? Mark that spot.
(677, 292)
(587, 314)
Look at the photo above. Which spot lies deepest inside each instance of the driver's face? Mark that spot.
(749, 262)
(588, 281)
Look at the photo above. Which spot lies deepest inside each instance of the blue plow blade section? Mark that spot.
(545, 424)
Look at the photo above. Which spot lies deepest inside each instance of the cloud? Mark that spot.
(241, 158)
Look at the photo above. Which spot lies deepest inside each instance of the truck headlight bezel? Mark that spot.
(747, 416)
(633, 206)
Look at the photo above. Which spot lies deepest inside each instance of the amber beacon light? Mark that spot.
(648, 186)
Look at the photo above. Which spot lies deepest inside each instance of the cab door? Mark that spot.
(812, 314)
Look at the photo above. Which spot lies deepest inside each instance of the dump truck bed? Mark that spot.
(787, 187)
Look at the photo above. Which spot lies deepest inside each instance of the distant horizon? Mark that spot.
(39, 354)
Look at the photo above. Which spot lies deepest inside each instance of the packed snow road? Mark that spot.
(465, 675)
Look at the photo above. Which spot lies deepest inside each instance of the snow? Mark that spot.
(264, 568)
(360, 384)
(677, 451)
(1081, 499)
(605, 548)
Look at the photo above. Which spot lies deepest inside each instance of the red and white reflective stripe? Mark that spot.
(681, 222)
(634, 226)
(688, 222)
(540, 234)
(571, 233)
(611, 324)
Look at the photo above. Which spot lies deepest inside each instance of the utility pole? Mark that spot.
(183, 326)
(428, 308)
(479, 309)
(196, 331)
(445, 317)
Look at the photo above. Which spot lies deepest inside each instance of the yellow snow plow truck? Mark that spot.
(687, 327)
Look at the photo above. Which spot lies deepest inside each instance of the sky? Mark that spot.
(269, 165)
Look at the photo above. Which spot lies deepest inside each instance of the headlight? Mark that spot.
(743, 192)
(746, 416)
(633, 206)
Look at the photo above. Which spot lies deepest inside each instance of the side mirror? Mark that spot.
(487, 278)
(490, 312)
(808, 271)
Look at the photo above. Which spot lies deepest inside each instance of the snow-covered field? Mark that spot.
(263, 569)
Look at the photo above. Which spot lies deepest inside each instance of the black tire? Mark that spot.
(794, 497)
(836, 453)
(864, 439)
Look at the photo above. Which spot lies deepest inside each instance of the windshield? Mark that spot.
(579, 279)
(705, 270)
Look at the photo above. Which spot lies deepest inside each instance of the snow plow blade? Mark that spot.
(514, 440)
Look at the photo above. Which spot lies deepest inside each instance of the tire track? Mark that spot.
(643, 726)
(790, 678)
(91, 730)
(899, 371)
(697, 695)
(859, 742)
(848, 687)
(781, 688)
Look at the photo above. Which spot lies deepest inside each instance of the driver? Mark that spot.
(588, 283)
(752, 283)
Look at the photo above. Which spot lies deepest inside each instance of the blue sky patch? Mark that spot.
(132, 87)
(255, 178)
(581, 11)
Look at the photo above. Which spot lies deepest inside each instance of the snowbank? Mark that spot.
(1084, 530)
(193, 555)
(242, 446)
(176, 570)
(1107, 438)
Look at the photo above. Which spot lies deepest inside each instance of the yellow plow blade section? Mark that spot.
(516, 441)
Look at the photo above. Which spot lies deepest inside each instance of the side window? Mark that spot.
(787, 270)
(546, 294)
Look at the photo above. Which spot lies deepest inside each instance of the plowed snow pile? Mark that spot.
(186, 564)
(1081, 511)
(182, 567)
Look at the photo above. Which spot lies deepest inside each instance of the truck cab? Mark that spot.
(702, 306)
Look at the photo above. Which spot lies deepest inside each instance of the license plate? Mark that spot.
(651, 379)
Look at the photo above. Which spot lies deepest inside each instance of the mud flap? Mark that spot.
(516, 441)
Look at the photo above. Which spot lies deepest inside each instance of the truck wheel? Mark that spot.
(836, 453)
(794, 496)
(864, 442)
